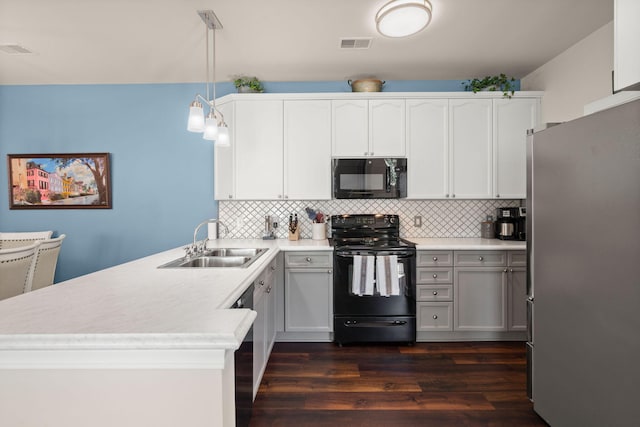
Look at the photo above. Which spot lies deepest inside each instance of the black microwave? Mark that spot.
(370, 178)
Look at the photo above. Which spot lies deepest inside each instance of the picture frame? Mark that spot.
(59, 181)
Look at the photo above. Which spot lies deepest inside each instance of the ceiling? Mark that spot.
(162, 41)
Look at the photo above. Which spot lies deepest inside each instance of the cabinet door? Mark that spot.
(350, 128)
(258, 150)
(270, 309)
(480, 299)
(259, 338)
(387, 128)
(223, 180)
(308, 300)
(428, 148)
(626, 39)
(512, 118)
(517, 299)
(307, 150)
(470, 148)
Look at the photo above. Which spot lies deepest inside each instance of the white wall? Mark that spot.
(578, 76)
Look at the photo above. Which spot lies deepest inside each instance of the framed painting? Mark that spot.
(59, 181)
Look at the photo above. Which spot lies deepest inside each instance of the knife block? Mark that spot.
(295, 235)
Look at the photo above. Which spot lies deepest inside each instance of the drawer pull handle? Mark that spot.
(435, 292)
(435, 258)
(435, 316)
(481, 258)
(308, 259)
(435, 276)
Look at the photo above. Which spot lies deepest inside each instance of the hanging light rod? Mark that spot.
(213, 127)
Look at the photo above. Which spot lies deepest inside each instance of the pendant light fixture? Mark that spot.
(402, 18)
(213, 126)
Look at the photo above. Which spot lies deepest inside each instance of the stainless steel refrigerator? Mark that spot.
(583, 204)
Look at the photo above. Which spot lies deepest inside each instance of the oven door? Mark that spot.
(346, 303)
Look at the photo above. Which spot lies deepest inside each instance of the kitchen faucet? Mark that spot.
(193, 249)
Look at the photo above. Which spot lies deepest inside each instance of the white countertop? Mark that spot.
(137, 305)
(467, 244)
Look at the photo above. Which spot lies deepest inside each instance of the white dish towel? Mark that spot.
(362, 281)
(387, 275)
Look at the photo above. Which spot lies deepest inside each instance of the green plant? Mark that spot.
(492, 83)
(251, 82)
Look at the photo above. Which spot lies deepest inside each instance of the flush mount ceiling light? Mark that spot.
(402, 18)
(213, 127)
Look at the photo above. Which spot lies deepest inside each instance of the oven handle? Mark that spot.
(373, 323)
(401, 255)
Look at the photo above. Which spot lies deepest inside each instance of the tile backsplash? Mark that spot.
(440, 218)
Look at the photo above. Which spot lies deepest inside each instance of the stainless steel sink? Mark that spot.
(219, 258)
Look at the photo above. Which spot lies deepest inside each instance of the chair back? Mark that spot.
(46, 260)
(16, 270)
(17, 239)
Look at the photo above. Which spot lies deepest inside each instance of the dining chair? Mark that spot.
(45, 262)
(17, 239)
(16, 270)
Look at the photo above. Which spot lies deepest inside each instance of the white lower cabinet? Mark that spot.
(308, 292)
(264, 326)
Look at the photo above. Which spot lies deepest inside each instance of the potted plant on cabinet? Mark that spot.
(492, 83)
(246, 84)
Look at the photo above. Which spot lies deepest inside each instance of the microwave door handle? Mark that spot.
(387, 174)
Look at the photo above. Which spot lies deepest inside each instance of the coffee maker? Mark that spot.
(511, 223)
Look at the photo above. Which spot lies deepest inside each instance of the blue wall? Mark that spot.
(161, 175)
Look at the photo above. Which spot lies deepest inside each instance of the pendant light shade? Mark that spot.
(196, 117)
(402, 18)
(223, 137)
(210, 127)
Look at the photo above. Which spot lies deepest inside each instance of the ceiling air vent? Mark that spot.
(355, 43)
(14, 49)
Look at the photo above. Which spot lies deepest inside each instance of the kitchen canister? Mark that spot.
(486, 228)
(318, 231)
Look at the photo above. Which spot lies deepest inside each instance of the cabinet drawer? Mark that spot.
(517, 258)
(434, 316)
(308, 259)
(434, 258)
(434, 292)
(434, 275)
(480, 258)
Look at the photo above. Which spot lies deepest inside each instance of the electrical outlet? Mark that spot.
(417, 221)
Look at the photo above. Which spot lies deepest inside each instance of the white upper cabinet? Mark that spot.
(368, 128)
(427, 148)
(470, 148)
(307, 149)
(258, 149)
(626, 41)
(512, 118)
(223, 184)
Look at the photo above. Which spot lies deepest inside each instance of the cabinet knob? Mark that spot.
(481, 258)
(505, 270)
(511, 270)
(268, 290)
(273, 268)
(435, 258)
(435, 316)
(279, 196)
(366, 154)
(453, 195)
(497, 195)
(230, 196)
(286, 197)
(435, 276)
(329, 272)
(435, 292)
(446, 195)
(261, 282)
(308, 259)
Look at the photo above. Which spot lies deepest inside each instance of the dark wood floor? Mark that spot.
(429, 384)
